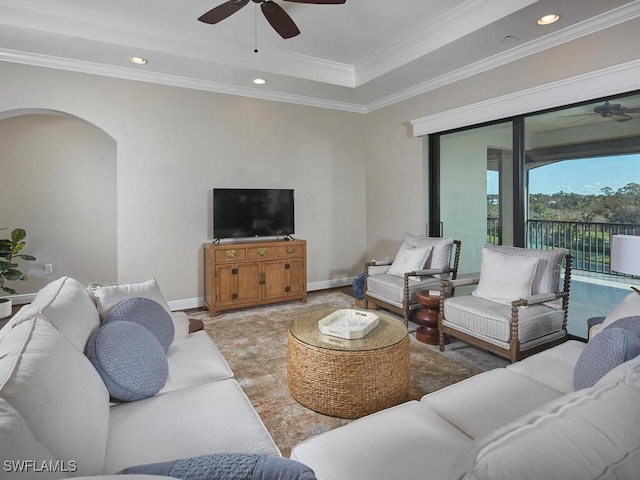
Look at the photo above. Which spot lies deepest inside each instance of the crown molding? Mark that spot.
(600, 83)
(596, 24)
(48, 61)
(454, 24)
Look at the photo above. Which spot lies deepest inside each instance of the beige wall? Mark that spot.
(58, 182)
(395, 163)
(174, 145)
(359, 179)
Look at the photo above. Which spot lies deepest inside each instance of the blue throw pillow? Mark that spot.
(130, 360)
(228, 466)
(628, 323)
(604, 352)
(147, 313)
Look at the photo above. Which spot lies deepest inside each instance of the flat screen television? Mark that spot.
(252, 212)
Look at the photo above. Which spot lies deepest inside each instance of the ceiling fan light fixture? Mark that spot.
(259, 81)
(548, 19)
(137, 60)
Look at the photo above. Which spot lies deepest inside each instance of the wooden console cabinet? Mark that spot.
(238, 275)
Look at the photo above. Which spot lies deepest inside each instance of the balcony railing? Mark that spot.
(588, 242)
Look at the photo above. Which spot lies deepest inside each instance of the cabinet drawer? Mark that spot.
(231, 254)
(290, 251)
(257, 253)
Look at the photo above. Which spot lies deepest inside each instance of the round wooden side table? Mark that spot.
(428, 317)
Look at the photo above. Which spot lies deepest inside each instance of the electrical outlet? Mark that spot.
(48, 268)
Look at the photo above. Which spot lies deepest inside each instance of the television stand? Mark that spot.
(247, 274)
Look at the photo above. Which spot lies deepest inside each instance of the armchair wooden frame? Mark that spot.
(405, 310)
(513, 353)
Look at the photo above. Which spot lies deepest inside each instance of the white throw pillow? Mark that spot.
(108, 296)
(505, 278)
(628, 307)
(409, 259)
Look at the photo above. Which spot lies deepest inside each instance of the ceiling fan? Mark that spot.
(274, 13)
(614, 111)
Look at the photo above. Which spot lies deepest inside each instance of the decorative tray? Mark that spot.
(348, 323)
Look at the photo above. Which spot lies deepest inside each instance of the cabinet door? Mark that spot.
(274, 279)
(237, 284)
(294, 273)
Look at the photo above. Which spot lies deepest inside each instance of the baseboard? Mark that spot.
(189, 303)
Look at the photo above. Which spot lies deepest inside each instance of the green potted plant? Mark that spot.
(10, 249)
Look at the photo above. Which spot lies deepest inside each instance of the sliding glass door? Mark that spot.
(565, 178)
(476, 189)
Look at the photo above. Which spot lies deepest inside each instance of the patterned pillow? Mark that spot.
(149, 314)
(604, 352)
(129, 359)
(228, 466)
(628, 323)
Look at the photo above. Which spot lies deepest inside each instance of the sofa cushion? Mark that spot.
(553, 367)
(66, 304)
(408, 259)
(21, 452)
(129, 359)
(486, 401)
(588, 434)
(215, 417)
(193, 361)
(228, 466)
(108, 296)
(612, 347)
(149, 314)
(58, 393)
(409, 441)
(505, 278)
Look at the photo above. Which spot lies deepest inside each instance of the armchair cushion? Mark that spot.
(505, 278)
(491, 321)
(547, 274)
(408, 259)
(441, 256)
(390, 288)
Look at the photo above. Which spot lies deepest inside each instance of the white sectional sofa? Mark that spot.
(525, 421)
(56, 412)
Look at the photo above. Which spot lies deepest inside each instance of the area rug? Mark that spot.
(254, 342)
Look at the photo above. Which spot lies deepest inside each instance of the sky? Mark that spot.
(584, 176)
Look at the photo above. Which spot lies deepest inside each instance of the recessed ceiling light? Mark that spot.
(548, 19)
(259, 81)
(137, 60)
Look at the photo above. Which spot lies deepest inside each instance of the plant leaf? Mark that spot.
(18, 235)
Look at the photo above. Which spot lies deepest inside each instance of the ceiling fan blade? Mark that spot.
(279, 19)
(222, 11)
(631, 109)
(621, 117)
(319, 2)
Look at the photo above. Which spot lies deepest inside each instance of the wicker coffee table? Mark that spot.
(348, 378)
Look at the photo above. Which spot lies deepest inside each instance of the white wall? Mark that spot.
(174, 145)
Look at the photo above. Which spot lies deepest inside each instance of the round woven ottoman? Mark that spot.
(348, 378)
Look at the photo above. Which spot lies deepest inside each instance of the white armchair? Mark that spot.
(519, 306)
(420, 264)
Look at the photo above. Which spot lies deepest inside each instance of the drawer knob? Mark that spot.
(231, 254)
(262, 252)
(290, 249)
